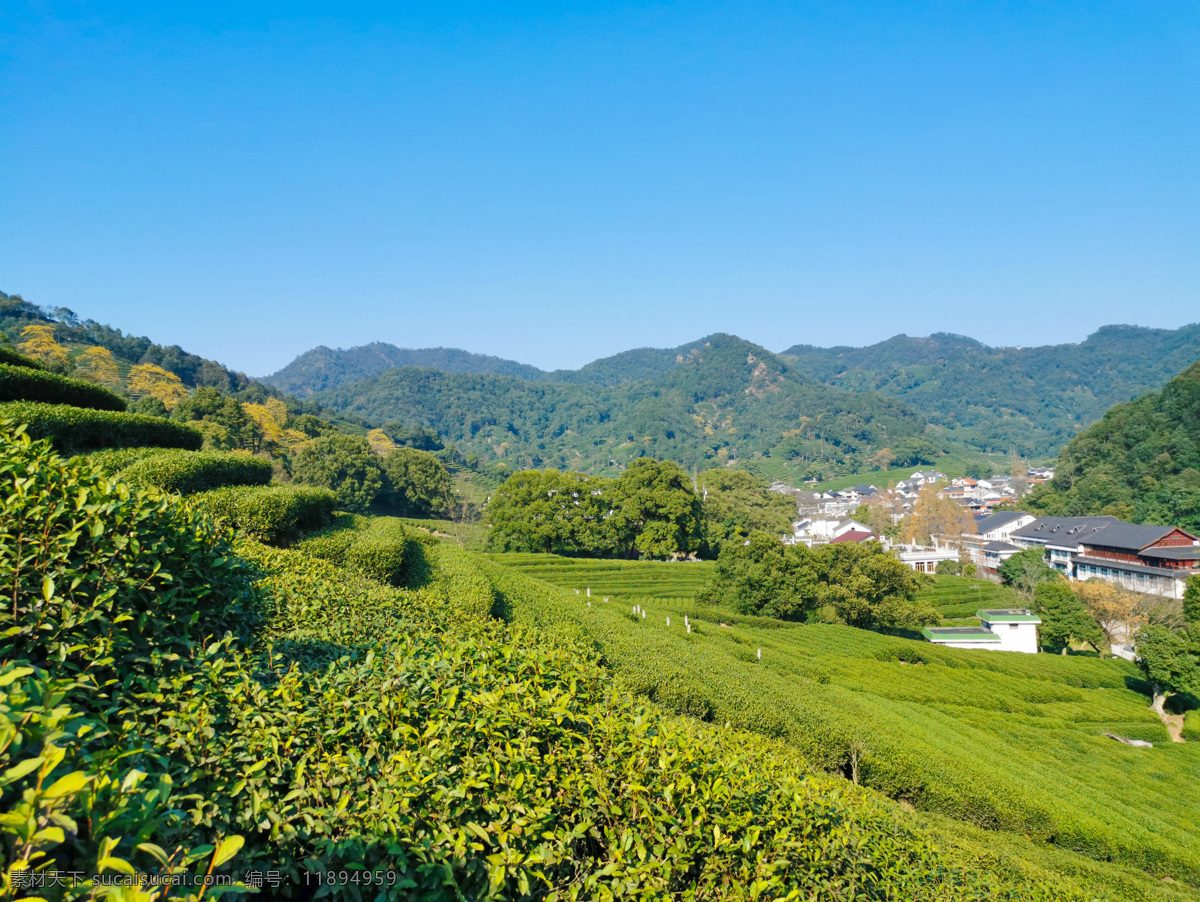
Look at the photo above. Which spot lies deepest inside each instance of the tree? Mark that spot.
(934, 515)
(976, 471)
(271, 417)
(1191, 601)
(343, 463)
(224, 421)
(1169, 661)
(379, 441)
(1117, 610)
(858, 583)
(1064, 618)
(38, 342)
(97, 365)
(1026, 569)
(655, 512)
(882, 459)
(415, 482)
(737, 503)
(150, 380)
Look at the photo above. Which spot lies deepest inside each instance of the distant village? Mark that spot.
(1144, 558)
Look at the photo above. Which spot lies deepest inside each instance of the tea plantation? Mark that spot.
(181, 695)
(175, 701)
(1006, 742)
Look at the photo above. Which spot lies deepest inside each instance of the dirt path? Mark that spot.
(1174, 725)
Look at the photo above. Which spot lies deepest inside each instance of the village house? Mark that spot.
(1006, 629)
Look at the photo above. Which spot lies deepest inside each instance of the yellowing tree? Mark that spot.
(380, 442)
(97, 365)
(39, 344)
(148, 379)
(934, 515)
(1117, 610)
(271, 417)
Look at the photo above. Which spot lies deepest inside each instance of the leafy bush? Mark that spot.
(12, 358)
(275, 514)
(415, 482)
(188, 472)
(18, 383)
(1191, 725)
(75, 430)
(78, 597)
(949, 568)
(379, 547)
(112, 460)
(344, 464)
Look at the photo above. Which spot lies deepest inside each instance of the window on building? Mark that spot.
(1013, 626)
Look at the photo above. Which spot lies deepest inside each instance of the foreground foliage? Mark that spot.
(202, 711)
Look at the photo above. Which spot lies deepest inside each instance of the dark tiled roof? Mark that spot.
(1129, 536)
(995, 521)
(1175, 553)
(1000, 546)
(1064, 530)
(1130, 568)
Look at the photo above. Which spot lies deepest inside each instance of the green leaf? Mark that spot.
(229, 847)
(68, 785)
(15, 674)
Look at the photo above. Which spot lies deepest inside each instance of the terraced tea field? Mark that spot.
(616, 579)
(957, 598)
(1007, 742)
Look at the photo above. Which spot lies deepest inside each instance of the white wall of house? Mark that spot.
(977, 645)
(1022, 637)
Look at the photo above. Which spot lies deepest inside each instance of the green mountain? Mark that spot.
(1140, 461)
(996, 399)
(724, 398)
(982, 398)
(324, 368)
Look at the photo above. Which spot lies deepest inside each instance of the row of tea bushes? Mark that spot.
(188, 472)
(378, 547)
(21, 383)
(275, 514)
(75, 430)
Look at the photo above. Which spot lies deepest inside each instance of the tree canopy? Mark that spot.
(859, 584)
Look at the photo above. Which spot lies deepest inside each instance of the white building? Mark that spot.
(924, 560)
(1009, 629)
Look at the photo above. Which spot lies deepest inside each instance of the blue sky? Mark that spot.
(557, 182)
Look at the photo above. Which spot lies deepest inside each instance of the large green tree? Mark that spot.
(1026, 569)
(1170, 660)
(1064, 618)
(1191, 602)
(737, 503)
(343, 463)
(415, 482)
(859, 584)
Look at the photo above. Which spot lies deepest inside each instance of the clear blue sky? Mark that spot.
(250, 180)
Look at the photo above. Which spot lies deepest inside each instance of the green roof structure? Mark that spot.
(1007, 615)
(959, 634)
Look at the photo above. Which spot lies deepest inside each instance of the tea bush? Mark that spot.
(74, 429)
(10, 357)
(379, 547)
(1191, 725)
(21, 383)
(270, 513)
(188, 472)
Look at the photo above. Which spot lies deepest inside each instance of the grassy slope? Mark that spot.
(1007, 742)
(957, 598)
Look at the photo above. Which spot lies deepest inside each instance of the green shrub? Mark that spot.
(1191, 725)
(188, 472)
(378, 547)
(275, 514)
(112, 460)
(75, 595)
(76, 430)
(19, 383)
(12, 358)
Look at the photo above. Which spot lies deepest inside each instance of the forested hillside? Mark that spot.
(1032, 399)
(1140, 462)
(727, 398)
